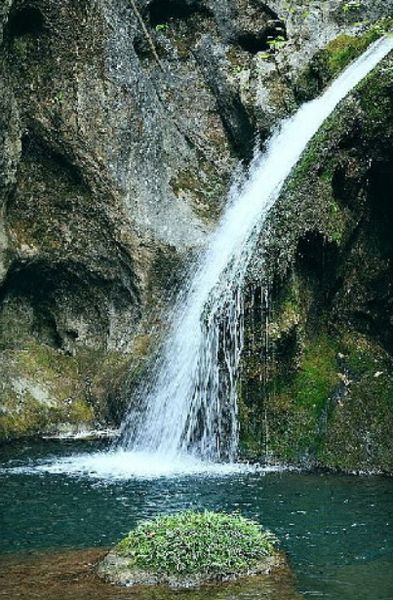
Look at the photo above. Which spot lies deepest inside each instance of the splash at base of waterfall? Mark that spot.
(123, 465)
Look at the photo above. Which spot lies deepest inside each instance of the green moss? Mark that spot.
(359, 432)
(337, 221)
(361, 356)
(337, 55)
(197, 544)
(316, 159)
(376, 100)
(45, 390)
(26, 416)
(251, 430)
(317, 374)
(298, 402)
(345, 48)
(337, 408)
(306, 164)
(288, 315)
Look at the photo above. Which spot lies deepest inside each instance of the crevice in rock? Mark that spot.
(317, 256)
(162, 11)
(374, 309)
(44, 328)
(33, 146)
(317, 260)
(235, 119)
(381, 203)
(265, 39)
(26, 21)
(260, 42)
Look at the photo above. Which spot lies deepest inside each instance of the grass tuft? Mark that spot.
(197, 544)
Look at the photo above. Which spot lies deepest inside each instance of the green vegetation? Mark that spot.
(46, 394)
(352, 5)
(359, 433)
(317, 375)
(45, 390)
(203, 545)
(376, 101)
(346, 48)
(337, 55)
(161, 27)
(298, 404)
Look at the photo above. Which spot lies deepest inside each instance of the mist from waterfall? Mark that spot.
(189, 399)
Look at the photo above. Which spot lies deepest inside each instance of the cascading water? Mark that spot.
(190, 400)
(186, 421)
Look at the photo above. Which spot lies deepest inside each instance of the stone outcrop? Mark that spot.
(320, 391)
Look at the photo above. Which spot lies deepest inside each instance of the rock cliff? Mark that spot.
(122, 123)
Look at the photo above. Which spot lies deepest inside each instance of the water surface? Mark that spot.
(336, 530)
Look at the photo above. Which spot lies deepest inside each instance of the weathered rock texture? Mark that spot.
(323, 392)
(120, 125)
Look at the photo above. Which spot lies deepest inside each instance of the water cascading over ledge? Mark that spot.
(189, 403)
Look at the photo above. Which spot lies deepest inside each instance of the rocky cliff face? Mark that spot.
(317, 385)
(121, 125)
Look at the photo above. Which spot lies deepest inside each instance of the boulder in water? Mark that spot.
(189, 549)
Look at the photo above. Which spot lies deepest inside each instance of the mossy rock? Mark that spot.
(189, 549)
(46, 391)
(335, 57)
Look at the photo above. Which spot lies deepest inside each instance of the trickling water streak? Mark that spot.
(190, 400)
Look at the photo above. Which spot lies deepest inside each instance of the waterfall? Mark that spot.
(188, 404)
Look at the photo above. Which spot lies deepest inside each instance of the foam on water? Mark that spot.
(123, 465)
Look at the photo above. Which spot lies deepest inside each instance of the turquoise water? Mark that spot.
(337, 530)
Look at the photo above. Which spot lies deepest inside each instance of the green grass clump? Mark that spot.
(191, 544)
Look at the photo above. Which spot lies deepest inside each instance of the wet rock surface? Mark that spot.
(324, 385)
(116, 569)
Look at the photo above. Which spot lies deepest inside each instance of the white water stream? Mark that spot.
(190, 397)
(189, 407)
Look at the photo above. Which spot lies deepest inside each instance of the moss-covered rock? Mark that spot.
(318, 388)
(328, 62)
(46, 391)
(189, 549)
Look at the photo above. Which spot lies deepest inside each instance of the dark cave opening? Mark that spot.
(33, 286)
(162, 11)
(263, 41)
(42, 289)
(381, 203)
(27, 21)
(317, 256)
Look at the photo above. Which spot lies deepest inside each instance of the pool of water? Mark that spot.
(336, 530)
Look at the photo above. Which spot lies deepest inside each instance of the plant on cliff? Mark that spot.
(200, 545)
